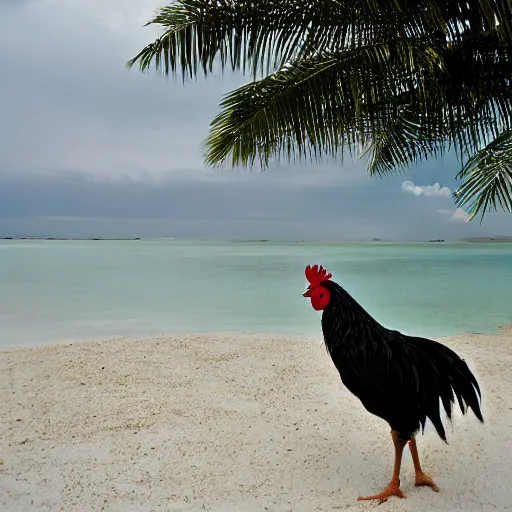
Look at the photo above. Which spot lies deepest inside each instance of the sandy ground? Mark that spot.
(231, 423)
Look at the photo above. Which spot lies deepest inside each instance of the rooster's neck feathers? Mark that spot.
(344, 320)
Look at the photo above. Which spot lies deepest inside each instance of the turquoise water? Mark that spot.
(57, 290)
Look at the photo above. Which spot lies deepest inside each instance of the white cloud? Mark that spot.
(457, 215)
(434, 190)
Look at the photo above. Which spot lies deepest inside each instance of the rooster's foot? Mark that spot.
(424, 480)
(393, 489)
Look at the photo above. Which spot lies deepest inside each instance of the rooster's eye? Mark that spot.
(321, 295)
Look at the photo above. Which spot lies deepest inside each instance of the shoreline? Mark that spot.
(229, 422)
(504, 239)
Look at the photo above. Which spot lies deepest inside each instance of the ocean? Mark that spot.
(69, 290)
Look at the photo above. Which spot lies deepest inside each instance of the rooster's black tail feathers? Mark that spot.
(446, 377)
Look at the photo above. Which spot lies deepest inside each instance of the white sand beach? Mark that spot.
(231, 423)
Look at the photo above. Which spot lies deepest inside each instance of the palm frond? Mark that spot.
(402, 142)
(317, 106)
(237, 33)
(255, 35)
(262, 35)
(488, 178)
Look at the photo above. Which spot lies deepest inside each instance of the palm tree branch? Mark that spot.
(488, 178)
(327, 99)
(240, 33)
(403, 141)
(264, 34)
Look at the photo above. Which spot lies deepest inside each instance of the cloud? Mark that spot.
(457, 215)
(426, 190)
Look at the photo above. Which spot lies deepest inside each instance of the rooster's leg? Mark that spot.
(393, 489)
(421, 478)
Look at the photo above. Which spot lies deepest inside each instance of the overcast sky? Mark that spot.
(89, 148)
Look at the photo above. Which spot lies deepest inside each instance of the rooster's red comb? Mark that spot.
(316, 275)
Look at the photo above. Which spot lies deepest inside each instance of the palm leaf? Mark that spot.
(488, 178)
(402, 142)
(317, 106)
(239, 33)
(264, 34)
(242, 34)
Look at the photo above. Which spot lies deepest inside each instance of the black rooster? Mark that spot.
(397, 377)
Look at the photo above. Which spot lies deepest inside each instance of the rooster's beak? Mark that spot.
(307, 293)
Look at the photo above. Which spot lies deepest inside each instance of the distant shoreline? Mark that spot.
(64, 239)
(489, 240)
